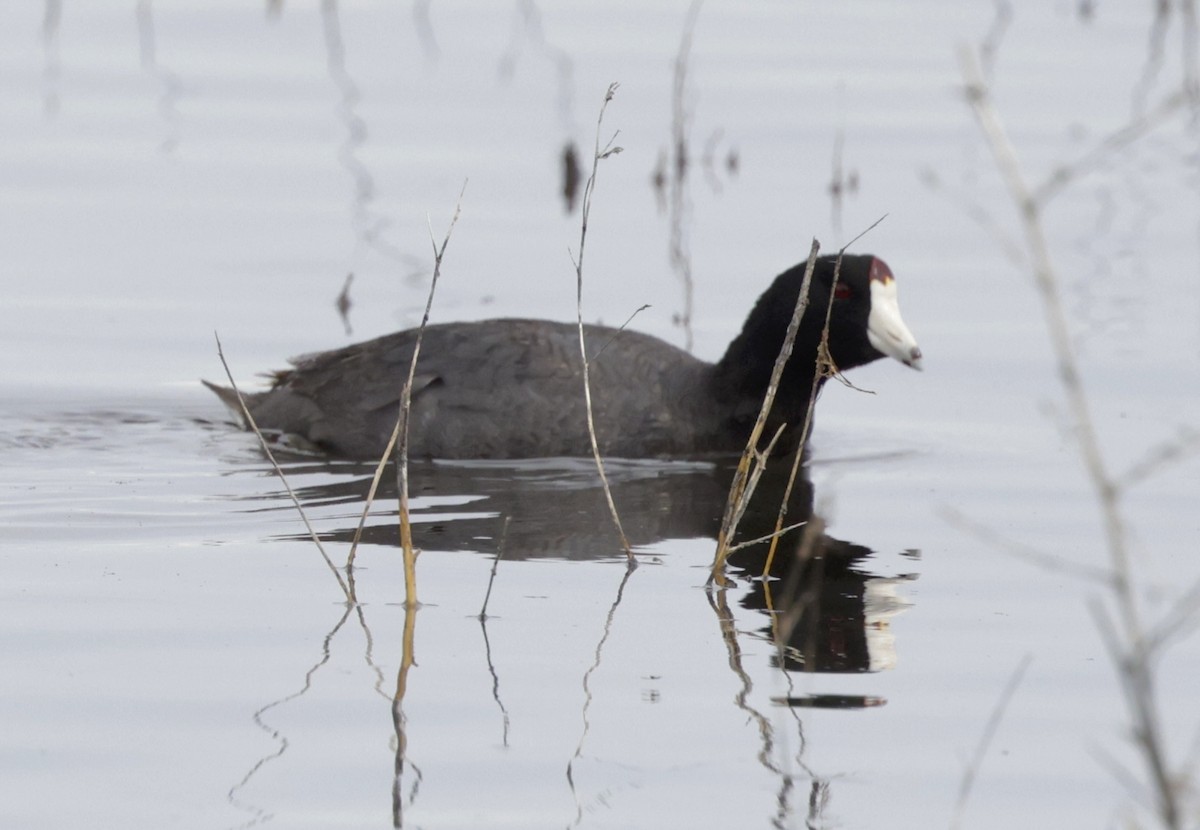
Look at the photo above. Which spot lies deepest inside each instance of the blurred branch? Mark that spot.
(1117, 140)
(978, 214)
(1046, 280)
(1160, 456)
(1131, 649)
(1044, 560)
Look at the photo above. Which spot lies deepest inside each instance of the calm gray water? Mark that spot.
(175, 652)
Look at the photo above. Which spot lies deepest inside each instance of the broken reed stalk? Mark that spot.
(346, 590)
(375, 479)
(410, 555)
(825, 368)
(1132, 649)
(400, 431)
(753, 462)
(588, 189)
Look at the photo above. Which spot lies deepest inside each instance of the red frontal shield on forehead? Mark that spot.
(880, 271)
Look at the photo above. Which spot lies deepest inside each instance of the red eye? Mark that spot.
(842, 291)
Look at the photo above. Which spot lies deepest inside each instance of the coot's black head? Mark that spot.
(864, 325)
(864, 303)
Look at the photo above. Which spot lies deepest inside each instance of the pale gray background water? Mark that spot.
(171, 169)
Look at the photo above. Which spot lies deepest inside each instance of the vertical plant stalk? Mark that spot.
(588, 189)
(410, 555)
(402, 418)
(752, 462)
(825, 368)
(346, 590)
(1130, 649)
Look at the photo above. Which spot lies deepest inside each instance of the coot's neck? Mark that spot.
(740, 380)
(744, 372)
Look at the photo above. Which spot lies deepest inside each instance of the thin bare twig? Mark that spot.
(399, 434)
(406, 406)
(620, 329)
(279, 472)
(768, 537)
(758, 465)
(410, 556)
(588, 189)
(376, 477)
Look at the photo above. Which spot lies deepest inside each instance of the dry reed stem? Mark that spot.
(1130, 648)
(349, 594)
(739, 488)
(750, 483)
(745, 478)
(767, 537)
(825, 368)
(588, 189)
(375, 479)
(401, 426)
(410, 556)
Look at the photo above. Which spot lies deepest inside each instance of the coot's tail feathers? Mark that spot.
(230, 398)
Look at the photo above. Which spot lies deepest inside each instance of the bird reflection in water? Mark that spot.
(825, 609)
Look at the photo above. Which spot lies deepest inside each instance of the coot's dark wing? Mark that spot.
(492, 389)
(514, 389)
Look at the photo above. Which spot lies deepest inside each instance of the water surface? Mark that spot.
(178, 654)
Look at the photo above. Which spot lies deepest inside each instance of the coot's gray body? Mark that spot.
(513, 388)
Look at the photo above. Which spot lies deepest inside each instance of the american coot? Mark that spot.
(513, 388)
